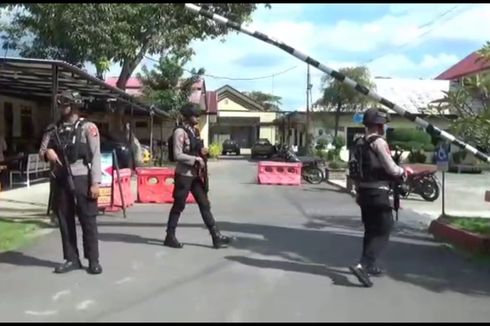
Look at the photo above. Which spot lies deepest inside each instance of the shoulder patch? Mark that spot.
(92, 130)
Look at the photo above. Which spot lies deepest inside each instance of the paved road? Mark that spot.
(288, 263)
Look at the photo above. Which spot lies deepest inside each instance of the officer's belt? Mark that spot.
(382, 185)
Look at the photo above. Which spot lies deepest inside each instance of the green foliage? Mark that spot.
(410, 134)
(268, 101)
(410, 139)
(340, 97)
(472, 224)
(337, 164)
(471, 104)
(164, 85)
(215, 150)
(321, 144)
(417, 156)
(332, 155)
(335, 92)
(321, 154)
(338, 142)
(121, 33)
(413, 145)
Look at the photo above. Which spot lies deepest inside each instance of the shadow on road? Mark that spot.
(335, 274)
(129, 238)
(20, 259)
(423, 264)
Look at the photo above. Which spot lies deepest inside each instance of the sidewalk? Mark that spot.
(26, 202)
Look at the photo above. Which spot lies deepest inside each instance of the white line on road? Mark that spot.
(84, 304)
(124, 280)
(60, 293)
(41, 313)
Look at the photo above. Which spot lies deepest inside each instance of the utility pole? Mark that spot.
(308, 91)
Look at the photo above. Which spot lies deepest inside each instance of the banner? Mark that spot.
(105, 194)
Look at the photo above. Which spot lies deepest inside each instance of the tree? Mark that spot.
(103, 33)
(268, 101)
(164, 85)
(118, 33)
(470, 102)
(339, 96)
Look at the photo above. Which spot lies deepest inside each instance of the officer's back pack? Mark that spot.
(71, 141)
(171, 140)
(361, 158)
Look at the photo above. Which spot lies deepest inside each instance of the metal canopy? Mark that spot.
(36, 78)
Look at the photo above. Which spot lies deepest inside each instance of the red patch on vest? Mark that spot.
(93, 130)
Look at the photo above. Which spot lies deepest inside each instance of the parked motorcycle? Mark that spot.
(310, 172)
(421, 182)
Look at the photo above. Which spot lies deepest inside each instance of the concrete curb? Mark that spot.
(474, 243)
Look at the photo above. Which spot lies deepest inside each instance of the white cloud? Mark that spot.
(324, 41)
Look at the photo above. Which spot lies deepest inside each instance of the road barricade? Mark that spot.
(125, 182)
(156, 185)
(279, 173)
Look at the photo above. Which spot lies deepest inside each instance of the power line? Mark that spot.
(237, 79)
(429, 23)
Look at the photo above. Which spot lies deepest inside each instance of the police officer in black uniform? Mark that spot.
(377, 171)
(189, 153)
(79, 140)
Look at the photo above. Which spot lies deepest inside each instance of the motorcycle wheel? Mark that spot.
(429, 190)
(313, 175)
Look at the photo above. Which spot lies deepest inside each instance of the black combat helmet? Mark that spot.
(375, 117)
(190, 110)
(69, 97)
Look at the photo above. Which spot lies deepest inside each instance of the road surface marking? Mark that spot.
(60, 293)
(124, 280)
(41, 313)
(84, 304)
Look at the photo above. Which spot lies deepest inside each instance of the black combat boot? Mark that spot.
(94, 267)
(219, 241)
(362, 275)
(374, 270)
(68, 266)
(171, 241)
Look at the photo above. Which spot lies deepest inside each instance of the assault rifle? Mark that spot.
(203, 172)
(64, 161)
(397, 184)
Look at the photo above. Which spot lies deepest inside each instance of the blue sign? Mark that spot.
(442, 155)
(357, 118)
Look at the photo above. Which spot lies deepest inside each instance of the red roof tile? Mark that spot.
(472, 64)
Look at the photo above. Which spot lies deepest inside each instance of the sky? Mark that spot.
(398, 41)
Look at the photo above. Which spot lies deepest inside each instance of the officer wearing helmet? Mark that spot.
(372, 169)
(186, 148)
(79, 140)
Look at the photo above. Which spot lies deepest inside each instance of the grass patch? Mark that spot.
(477, 225)
(16, 234)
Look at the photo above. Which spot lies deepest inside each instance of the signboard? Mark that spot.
(105, 189)
(442, 158)
(357, 118)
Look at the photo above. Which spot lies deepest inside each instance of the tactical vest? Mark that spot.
(362, 167)
(194, 148)
(71, 141)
